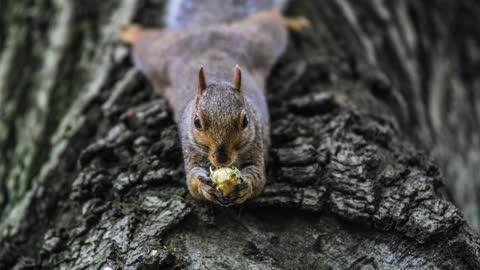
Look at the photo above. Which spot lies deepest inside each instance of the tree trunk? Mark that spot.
(91, 173)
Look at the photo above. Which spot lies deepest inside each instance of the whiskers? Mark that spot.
(248, 141)
(199, 147)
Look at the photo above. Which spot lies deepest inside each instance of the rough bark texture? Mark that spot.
(91, 173)
(427, 54)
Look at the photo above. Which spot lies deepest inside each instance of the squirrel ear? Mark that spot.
(202, 82)
(237, 78)
(202, 85)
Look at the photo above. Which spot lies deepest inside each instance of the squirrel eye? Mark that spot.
(245, 121)
(196, 122)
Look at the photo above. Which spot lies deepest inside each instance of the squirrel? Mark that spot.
(222, 115)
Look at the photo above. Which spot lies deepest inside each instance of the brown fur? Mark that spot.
(172, 61)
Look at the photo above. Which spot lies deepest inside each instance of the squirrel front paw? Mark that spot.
(242, 192)
(205, 189)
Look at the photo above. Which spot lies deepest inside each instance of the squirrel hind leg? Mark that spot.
(130, 33)
(297, 23)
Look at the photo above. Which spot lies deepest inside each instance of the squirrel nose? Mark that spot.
(221, 156)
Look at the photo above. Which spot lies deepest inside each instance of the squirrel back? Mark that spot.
(174, 58)
(184, 15)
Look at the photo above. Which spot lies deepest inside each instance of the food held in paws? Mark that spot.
(226, 179)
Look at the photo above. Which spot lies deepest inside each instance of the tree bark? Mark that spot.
(91, 173)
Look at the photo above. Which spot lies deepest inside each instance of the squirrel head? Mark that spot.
(220, 120)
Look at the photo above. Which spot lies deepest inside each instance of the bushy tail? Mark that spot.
(190, 14)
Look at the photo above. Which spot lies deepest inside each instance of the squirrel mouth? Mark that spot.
(217, 165)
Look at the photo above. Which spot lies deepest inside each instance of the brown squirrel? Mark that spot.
(224, 121)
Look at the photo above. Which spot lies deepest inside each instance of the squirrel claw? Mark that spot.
(241, 193)
(206, 180)
(209, 192)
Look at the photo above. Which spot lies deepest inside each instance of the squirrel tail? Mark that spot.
(189, 14)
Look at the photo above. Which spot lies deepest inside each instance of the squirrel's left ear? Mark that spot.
(237, 78)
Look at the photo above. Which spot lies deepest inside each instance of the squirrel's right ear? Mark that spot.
(202, 83)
